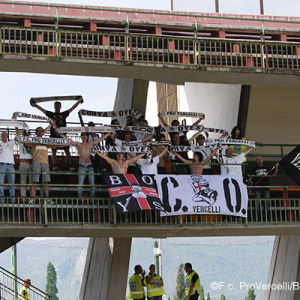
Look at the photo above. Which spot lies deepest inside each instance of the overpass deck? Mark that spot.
(82, 217)
(143, 44)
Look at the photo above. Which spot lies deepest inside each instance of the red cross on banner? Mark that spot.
(133, 192)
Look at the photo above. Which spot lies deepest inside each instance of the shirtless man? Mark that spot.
(85, 163)
(119, 165)
(198, 158)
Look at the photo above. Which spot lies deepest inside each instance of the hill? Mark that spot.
(230, 260)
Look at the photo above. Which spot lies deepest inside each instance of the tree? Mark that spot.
(222, 297)
(180, 283)
(208, 296)
(202, 297)
(251, 295)
(51, 288)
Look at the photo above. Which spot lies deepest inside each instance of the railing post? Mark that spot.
(57, 19)
(0, 40)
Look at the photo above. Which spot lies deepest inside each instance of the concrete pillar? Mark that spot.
(105, 269)
(284, 268)
(131, 93)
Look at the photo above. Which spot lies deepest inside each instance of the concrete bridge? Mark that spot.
(260, 53)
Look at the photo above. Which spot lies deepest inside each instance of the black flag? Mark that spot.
(133, 192)
(291, 164)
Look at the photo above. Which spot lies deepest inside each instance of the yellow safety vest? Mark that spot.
(22, 292)
(136, 288)
(154, 290)
(238, 149)
(188, 282)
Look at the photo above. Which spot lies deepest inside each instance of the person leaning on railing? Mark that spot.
(25, 167)
(85, 164)
(7, 165)
(40, 163)
(24, 292)
(232, 164)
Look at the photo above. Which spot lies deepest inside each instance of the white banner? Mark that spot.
(231, 142)
(181, 128)
(19, 114)
(191, 148)
(118, 149)
(182, 114)
(44, 141)
(84, 129)
(13, 123)
(111, 114)
(55, 98)
(202, 194)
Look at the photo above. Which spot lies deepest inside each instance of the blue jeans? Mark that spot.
(262, 193)
(86, 170)
(4, 169)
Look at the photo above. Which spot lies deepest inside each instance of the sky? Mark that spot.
(99, 93)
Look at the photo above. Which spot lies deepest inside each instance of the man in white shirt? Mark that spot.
(7, 165)
(149, 165)
(234, 162)
(25, 164)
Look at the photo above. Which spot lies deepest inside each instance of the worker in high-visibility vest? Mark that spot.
(137, 283)
(155, 285)
(192, 286)
(24, 292)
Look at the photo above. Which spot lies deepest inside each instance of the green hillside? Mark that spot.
(229, 260)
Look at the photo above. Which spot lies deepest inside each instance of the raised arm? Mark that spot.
(246, 152)
(182, 159)
(199, 120)
(163, 152)
(39, 108)
(75, 105)
(163, 120)
(94, 143)
(147, 138)
(134, 159)
(209, 158)
(195, 136)
(108, 159)
(49, 126)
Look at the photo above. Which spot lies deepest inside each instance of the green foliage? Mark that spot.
(251, 295)
(202, 296)
(222, 297)
(51, 288)
(208, 296)
(180, 283)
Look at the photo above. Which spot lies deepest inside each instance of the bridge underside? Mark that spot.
(150, 231)
(148, 71)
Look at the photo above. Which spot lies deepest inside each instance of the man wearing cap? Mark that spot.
(24, 292)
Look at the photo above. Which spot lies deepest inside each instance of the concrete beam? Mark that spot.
(131, 93)
(7, 242)
(150, 72)
(151, 231)
(284, 269)
(105, 269)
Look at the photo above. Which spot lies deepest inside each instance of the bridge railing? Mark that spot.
(11, 285)
(150, 49)
(83, 211)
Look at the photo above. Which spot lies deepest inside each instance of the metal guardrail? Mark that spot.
(127, 12)
(150, 49)
(10, 285)
(100, 211)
